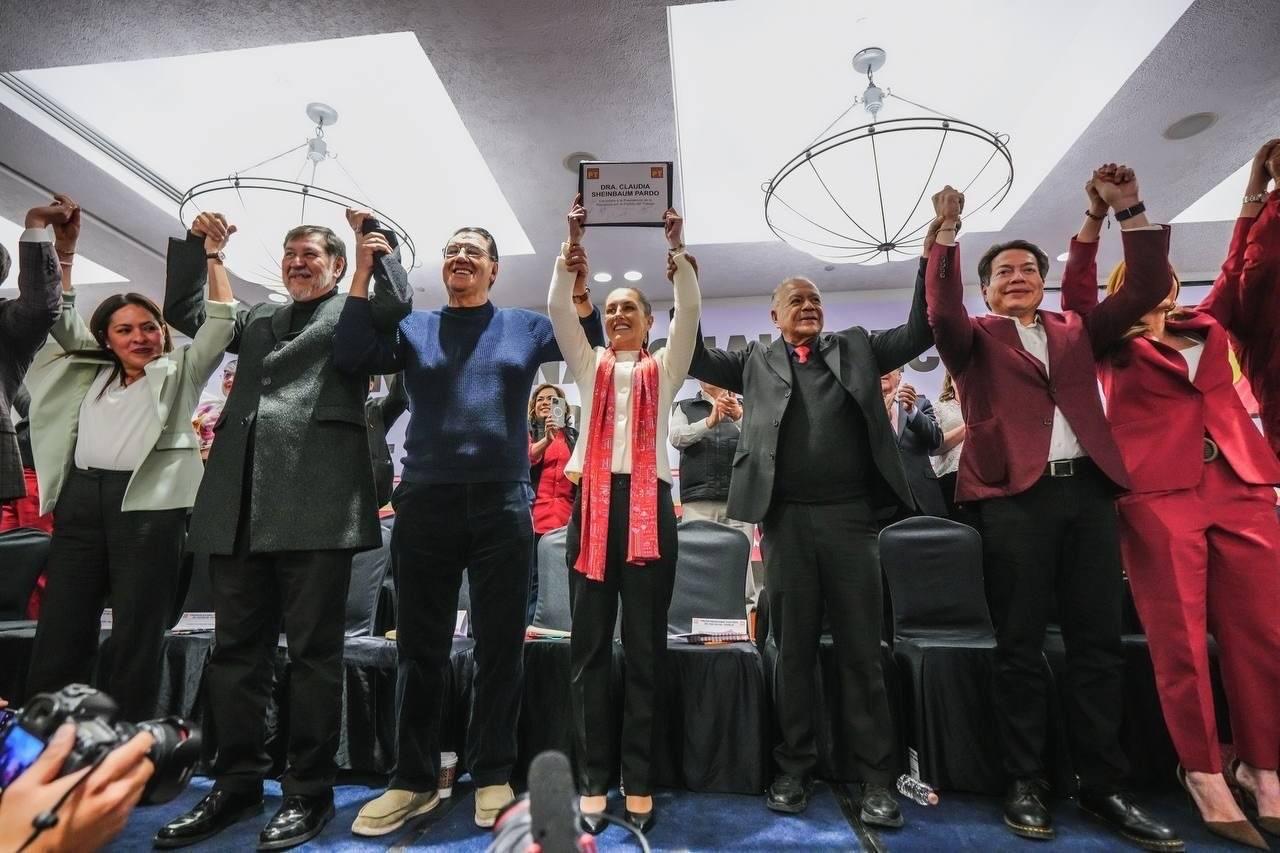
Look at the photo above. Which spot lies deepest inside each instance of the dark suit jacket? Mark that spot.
(24, 324)
(308, 464)
(1008, 396)
(762, 374)
(380, 415)
(919, 436)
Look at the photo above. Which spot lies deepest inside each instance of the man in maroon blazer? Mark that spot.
(1041, 467)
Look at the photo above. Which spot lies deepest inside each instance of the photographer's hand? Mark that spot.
(94, 813)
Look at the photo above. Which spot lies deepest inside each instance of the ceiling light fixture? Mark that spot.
(571, 161)
(603, 277)
(274, 203)
(1064, 256)
(861, 195)
(633, 275)
(1188, 126)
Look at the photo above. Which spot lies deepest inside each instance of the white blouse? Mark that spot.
(949, 417)
(113, 424)
(582, 359)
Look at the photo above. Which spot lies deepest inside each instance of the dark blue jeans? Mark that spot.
(440, 530)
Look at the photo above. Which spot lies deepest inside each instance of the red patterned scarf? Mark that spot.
(642, 544)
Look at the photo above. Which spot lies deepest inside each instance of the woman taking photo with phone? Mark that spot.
(551, 442)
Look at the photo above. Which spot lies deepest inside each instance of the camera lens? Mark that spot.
(175, 753)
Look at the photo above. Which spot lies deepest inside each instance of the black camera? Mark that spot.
(24, 733)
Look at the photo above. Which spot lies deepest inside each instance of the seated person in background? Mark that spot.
(1199, 537)
(621, 540)
(551, 443)
(25, 511)
(911, 417)
(209, 410)
(25, 321)
(119, 467)
(705, 429)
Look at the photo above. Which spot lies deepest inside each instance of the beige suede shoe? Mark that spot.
(489, 801)
(392, 810)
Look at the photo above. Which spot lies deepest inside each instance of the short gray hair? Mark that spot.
(787, 282)
(6, 263)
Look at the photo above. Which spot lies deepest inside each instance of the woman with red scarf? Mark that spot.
(622, 536)
(551, 444)
(1200, 540)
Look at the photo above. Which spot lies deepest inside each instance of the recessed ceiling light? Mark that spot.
(277, 297)
(1188, 126)
(1063, 256)
(603, 277)
(571, 161)
(633, 275)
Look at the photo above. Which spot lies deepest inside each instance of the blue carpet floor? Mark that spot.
(698, 822)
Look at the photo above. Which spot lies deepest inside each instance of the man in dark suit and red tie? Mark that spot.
(1043, 469)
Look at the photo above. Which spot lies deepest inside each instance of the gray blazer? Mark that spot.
(293, 424)
(24, 323)
(762, 373)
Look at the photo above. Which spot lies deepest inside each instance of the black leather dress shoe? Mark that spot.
(1124, 817)
(879, 808)
(593, 823)
(642, 821)
(218, 810)
(789, 794)
(300, 818)
(1025, 812)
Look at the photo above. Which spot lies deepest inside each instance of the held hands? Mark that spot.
(356, 217)
(1117, 186)
(1097, 206)
(948, 205)
(64, 215)
(215, 230)
(730, 407)
(577, 220)
(1265, 167)
(576, 263)
(673, 229)
(368, 249)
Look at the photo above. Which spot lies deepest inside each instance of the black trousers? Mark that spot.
(963, 513)
(442, 529)
(253, 594)
(816, 557)
(100, 552)
(646, 596)
(1057, 540)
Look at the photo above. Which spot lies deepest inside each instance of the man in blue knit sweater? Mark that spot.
(463, 503)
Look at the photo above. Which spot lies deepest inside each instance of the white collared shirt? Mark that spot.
(1063, 443)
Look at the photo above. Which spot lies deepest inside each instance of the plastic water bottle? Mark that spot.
(912, 788)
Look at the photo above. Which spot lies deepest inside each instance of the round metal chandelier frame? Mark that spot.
(851, 241)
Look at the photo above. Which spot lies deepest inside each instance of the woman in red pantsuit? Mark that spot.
(1199, 537)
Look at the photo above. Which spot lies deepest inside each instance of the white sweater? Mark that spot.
(673, 366)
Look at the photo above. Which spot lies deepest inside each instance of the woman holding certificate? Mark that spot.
(621, 538)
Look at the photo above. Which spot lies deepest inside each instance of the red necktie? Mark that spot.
(802, 353)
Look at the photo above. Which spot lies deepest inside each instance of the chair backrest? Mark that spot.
(711, 575)
(934, 569)
(368, 568)
(23, 554)
(552, 610)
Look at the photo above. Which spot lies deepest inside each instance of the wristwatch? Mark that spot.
(220, 257)
(1130, 212)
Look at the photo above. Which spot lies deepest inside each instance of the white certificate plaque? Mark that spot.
(625, 194)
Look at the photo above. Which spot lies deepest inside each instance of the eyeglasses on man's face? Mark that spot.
(470, 250)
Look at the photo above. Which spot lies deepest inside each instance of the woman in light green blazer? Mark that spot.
(119, 464)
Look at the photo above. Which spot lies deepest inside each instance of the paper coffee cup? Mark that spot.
(448, 773)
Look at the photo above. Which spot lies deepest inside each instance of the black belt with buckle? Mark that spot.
(1211, 451)
(1069, 467)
